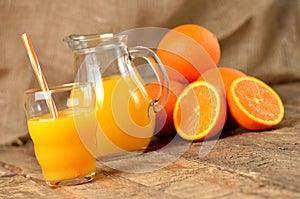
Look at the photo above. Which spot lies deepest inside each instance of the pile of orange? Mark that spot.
(203, 96)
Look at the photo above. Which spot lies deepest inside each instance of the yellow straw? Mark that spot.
(39, 74)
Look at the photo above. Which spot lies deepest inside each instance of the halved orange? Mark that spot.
(254, 104)
(200, 111)
(164, 119)
(222, 77)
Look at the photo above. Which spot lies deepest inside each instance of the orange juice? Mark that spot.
(58, 147)
(124, 114)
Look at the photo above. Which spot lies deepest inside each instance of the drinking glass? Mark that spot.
(59, 142)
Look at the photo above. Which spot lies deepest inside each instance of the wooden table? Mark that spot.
(241, 164)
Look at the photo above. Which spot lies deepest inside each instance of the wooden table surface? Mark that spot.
(241, 164)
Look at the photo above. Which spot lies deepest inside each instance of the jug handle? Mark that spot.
(159, 72)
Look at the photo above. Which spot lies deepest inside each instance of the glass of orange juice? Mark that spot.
(59, 142)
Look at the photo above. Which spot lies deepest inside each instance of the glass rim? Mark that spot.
(58, 88)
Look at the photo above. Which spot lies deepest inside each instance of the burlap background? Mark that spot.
(260, 37)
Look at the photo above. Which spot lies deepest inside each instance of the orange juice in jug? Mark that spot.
(125, 116)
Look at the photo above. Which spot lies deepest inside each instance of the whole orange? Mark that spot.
(229, 75)
(221, 77)
(190, 49)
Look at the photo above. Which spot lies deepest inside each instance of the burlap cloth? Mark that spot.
(260, 37)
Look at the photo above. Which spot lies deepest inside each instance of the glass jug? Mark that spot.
(125, 111)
